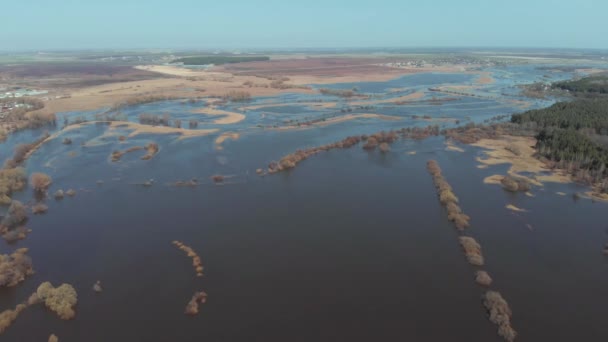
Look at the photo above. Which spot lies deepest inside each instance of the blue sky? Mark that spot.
(84, 24)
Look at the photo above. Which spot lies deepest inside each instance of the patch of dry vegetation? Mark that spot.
(483, 278)
(199, 297)
(11, 226)
(14, 268)
(142, 100)
(371, 142)
(291, 160)
(515, 184)
(11, 180)
(40, 182)
(447, 197)
(151, 151)
(472, 250)
(23, 151)
(60, 300)
(7, 317)
(196, 260)
(500, 314)
(237, 96)
(39, 208)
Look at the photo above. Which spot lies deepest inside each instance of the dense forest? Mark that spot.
(569, 133)
(587, 85)
(218, 60)
(579, 114)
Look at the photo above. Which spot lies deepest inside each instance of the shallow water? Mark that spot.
(350, 245)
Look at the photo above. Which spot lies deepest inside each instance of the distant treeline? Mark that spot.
(218, 60)
(591, 84)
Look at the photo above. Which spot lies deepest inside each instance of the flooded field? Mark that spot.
(352, 244)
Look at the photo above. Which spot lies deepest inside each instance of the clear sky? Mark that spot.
(201, 24)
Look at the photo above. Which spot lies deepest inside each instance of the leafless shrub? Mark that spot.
(384, 148)
(196, 260)
(7, 317)
(71, 192)
(500, 314)
(192, 306)
(11, 179)
(58, 194)
(193, 124)
(371, 143)
(15, 216)
(217, 178)
(60, 300)
(472, 250)
(15, 268)
(39, 208)
(40, 182)
(15, 234)
(151, 151)
(483, 278)
(513, 184)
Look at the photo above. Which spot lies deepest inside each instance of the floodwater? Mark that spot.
(350, 245)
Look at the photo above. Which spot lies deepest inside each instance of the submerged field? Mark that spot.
(352, 244)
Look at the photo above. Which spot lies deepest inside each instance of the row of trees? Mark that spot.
(586, 85)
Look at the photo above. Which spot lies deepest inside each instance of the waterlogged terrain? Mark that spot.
(352, 244)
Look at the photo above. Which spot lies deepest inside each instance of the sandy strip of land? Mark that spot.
(308, 104)
(225, 136)
(449, 146)
(226, 116)
(496, 153)
(137, 129)
(514, 208)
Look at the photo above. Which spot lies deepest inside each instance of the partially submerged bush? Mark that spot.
(151, 151)
(371, 143)
(16, 234)
(58, 194)
(500, 314)
(11, 180)
(196, 260)
(472, 250)
(40, 182)
(384, 147)
(15, 268)
(7, 317)
(15, 216)
(192, 306)
(39, 208)
(217, 178)
(60, 300)
(53, 338)
(483, 278)
(71, 192)
(514, 184)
